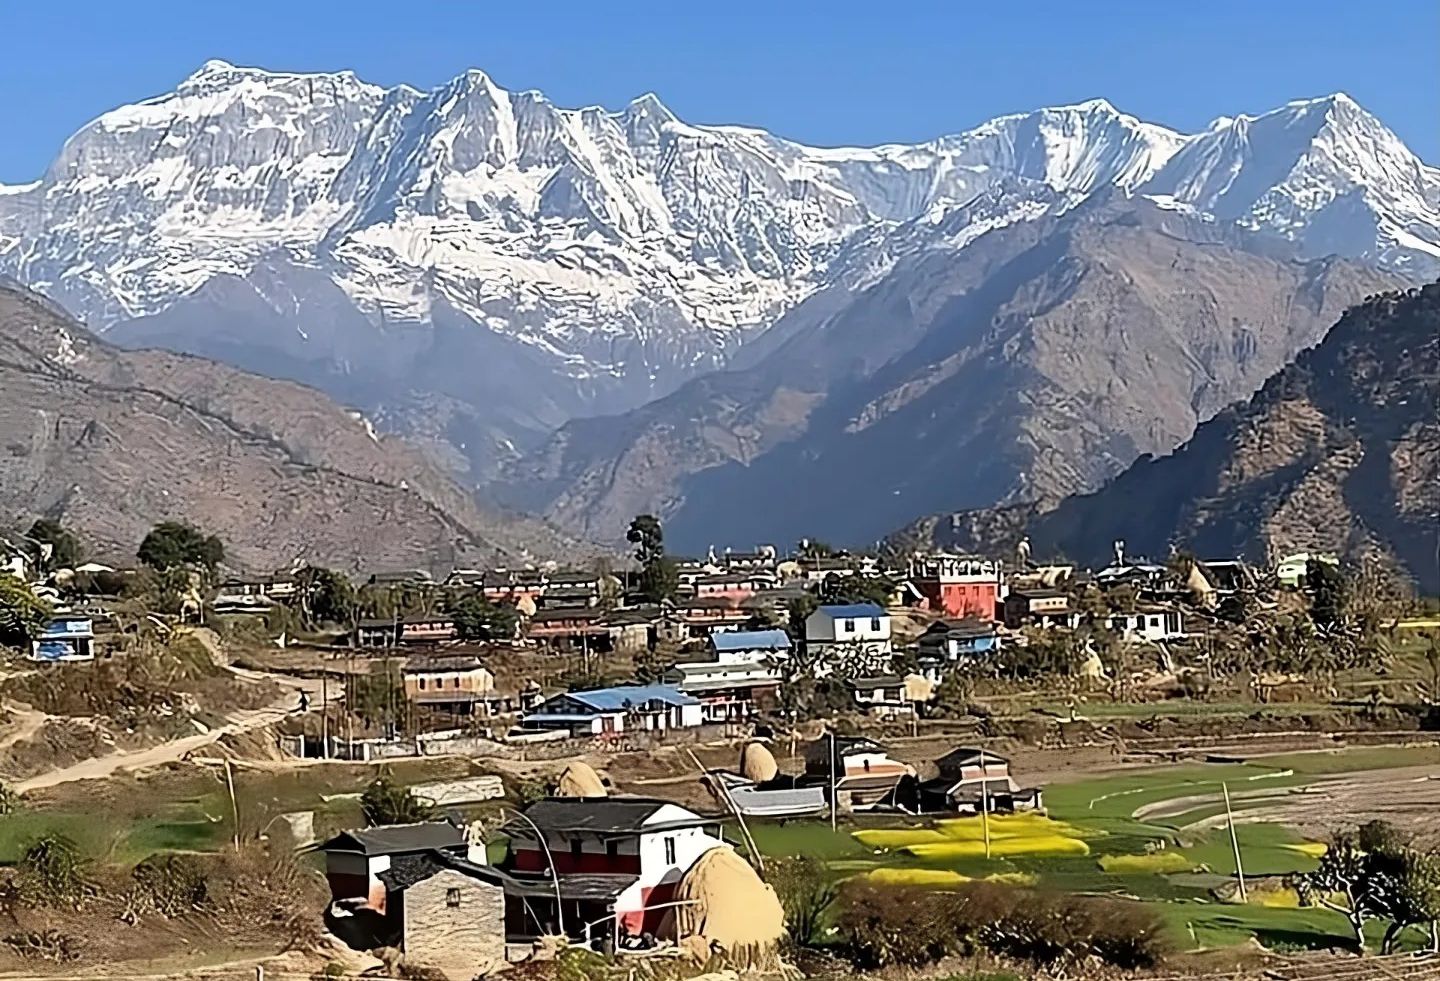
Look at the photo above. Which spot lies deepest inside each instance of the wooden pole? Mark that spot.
(234, 807)
(324, 712)
(1234, 842)
(985, 802)
(834, 792)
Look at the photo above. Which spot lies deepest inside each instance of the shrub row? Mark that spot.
(884, 925)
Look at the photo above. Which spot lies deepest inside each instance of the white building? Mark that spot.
(852, 639)
(739, 668)
(604, 711)
(1154, 624)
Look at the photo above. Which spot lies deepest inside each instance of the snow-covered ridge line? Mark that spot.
(611, 253)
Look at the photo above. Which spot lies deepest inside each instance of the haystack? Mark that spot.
(757, 763)
(1201, 590)
(918, 688)
(579, 779)
(728, 906)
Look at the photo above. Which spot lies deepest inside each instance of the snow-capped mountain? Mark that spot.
(510, 264)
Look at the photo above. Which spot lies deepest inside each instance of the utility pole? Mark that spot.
(985, 799)
(324, 712)
(834, 794)
(1234, 842)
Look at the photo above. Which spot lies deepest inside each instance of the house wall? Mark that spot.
(820, 626)
(456, 925)
(479, 680)
(593, 854)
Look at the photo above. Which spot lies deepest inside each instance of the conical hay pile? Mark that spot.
(579, 779)
(757, 763)
(726, 903)
(1199, 585)
(918, 688)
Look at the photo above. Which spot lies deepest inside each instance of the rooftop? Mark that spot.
(746, 640)
(853, 610)
(626, 696)
(397, 838)
(602, 815)
(423, 665)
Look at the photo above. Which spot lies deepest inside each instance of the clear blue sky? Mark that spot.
(825, 73)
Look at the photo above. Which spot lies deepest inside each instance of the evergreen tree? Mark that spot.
(658, 578)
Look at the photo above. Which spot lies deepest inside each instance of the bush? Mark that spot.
(884, 925)
(171, 885)
(386, 802)
(52, 871)
(805, 890)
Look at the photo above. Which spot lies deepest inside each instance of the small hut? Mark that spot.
(579, 779)
(730, 910)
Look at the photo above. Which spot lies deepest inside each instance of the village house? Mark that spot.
(865, 775)
(376, 633)
(763, 559)
(946, 644)
(1043, 608)
(278, 588)
(633, 629)
(612, 711)
(820, 568)
(435, 628)
(420, 889)
(733, 587)
(1292, 569)
(616, 860)
(400, 577)
(1147, 622)
(459, 687)
(569, 598)
(882, 696)
(705, 616)
(568, 629)
(739, 672)
(957, 585)
(520, 589)
(66, 637)
(464, 579)
(971, 779)
(855, 635)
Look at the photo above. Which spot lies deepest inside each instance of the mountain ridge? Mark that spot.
(600, 258)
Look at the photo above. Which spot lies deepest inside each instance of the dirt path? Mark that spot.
(176, 749)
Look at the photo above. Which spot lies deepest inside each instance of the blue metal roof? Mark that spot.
(853, 611)
(614, 699)
(749, 640)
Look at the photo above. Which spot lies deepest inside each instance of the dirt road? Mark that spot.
(176, 749)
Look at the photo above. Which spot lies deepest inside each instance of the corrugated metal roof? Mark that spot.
(745, 640)
(853, 610)
(624, 696)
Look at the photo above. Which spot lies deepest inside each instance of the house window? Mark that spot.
(866, 764)
(612, 849)
(575, 849)
(452, 898)
(669, 851)
(849, 626)
(456, 683)
(422, 684)
(875, 624)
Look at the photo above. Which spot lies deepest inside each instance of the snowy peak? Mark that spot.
(621, 250)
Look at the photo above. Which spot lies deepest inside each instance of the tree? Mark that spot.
(23, 615)
(952, 695)
(1344, 870)
(326, 596)
(857, 589)
(1381, 877)
(172, 544)
(813, 548)
(386, 802)
(650, 666)
(64, 547)
(799, 609)
(658, 577)
(476, 618)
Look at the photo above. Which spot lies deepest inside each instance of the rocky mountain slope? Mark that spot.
(1046, 358)
(478, 266)
(1338, 452)
(113, 441)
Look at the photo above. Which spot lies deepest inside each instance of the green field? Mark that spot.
(1102, 812)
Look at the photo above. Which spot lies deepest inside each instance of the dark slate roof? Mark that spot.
(407, 870)
(422, 665)
(968, 627)
(397, 838)
(590, 886)
(844, 745)
(602, 815)
(969, 754)
(1042, 592)
(586, 613)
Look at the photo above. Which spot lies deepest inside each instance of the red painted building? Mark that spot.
(957, 585)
